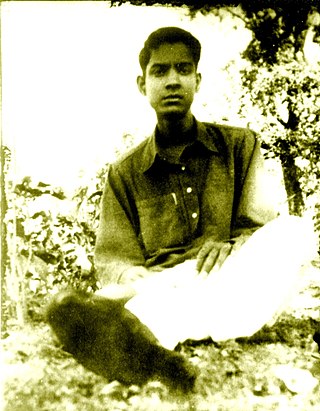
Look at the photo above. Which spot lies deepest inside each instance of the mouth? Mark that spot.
(173, 98)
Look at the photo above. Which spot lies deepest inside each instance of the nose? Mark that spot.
(173, 78)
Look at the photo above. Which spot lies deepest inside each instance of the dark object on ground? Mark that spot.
(294, 332)
(109, 340)
(316, 335)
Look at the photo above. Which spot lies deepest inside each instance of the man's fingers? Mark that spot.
(214, 253)
(216, 257)
(210, 260)
(202, 255)
(225, 251)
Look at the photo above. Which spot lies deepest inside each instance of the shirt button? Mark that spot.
(194, 215)
(183, 168)
(189, 190)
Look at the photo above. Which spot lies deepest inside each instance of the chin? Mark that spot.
(172, 114)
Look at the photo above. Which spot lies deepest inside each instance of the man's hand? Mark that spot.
(117, 292)
(127, 287)
(214, 253)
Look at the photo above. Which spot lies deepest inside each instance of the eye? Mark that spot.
(184, 68)
(159, 70)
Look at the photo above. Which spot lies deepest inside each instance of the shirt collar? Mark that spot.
(207, 137)
(151, 153)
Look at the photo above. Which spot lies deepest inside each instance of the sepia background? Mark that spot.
(70, 106)
(69, 80)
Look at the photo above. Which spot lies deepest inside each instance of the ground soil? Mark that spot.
(277, 369)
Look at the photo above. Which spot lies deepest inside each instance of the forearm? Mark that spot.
(255, 205)
(114, 270)
(131, 282)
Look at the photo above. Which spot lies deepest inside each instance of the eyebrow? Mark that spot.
(167, 65)
(156, 65)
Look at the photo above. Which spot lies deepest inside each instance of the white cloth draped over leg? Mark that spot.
(236, 301)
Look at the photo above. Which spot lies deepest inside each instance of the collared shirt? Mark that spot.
(156, 213)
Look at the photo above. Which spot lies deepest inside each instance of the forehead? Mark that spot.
(171, 54)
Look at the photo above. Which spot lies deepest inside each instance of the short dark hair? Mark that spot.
(169, 35)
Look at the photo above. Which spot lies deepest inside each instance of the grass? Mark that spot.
(237, 375)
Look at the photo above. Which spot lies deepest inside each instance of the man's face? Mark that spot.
(170, 80)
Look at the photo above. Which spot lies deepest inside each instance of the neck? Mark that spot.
(175, 130)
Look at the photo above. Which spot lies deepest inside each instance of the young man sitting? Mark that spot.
(180, 232)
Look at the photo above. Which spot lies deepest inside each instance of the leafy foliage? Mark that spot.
(277, 27)
(50, 239)
(283, 103)
(286, 101)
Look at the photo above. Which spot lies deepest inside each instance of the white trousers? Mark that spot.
(245, 294)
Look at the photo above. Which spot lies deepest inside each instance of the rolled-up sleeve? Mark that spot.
(117, 247)
(255, 205)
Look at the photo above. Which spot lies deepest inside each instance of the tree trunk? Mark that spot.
(4, 245)
(292, 185)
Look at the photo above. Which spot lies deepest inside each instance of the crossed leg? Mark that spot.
(248, 292)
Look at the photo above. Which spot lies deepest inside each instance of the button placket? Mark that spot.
(189, 197)
(191, 200)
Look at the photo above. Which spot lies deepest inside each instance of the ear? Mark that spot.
(198, 81)
(141, 82)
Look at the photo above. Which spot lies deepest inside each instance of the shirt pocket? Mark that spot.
(161, 222)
